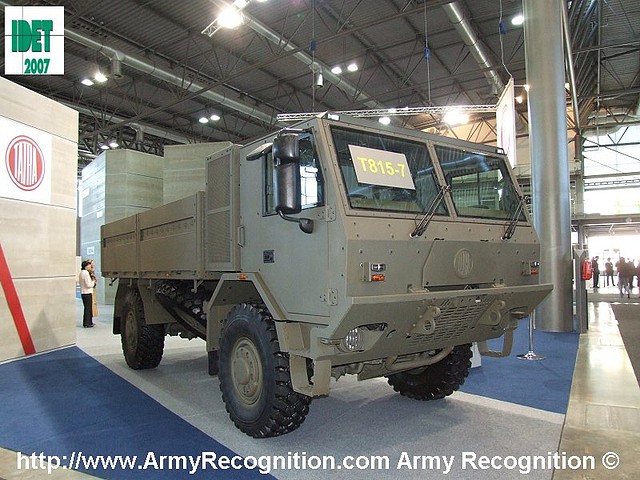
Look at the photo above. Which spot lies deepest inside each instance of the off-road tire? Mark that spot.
(254, 375)
(142, 344)
(435, 381)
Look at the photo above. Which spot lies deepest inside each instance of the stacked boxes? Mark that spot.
(185, 168)
(117, 184)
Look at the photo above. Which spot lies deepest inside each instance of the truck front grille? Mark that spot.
(454, 320)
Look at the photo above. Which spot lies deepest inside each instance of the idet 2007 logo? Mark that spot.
(34, 40)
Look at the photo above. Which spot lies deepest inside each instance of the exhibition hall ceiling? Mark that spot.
(164, 74)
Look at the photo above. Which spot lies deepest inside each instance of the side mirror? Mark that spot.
(287, 186)
(286, 148)
(286, 157)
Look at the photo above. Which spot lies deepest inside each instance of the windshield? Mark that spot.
(480, 185)
(385, 173)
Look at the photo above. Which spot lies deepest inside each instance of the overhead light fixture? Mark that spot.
(337, 70)
(319, 80)
(352, 67)
(113, 144)
(86, 81)
(214, 117)
(230, 17)
(104, 146)
(517, 20)
(384, 120)
(454, 117)
(203, 119)
(100, 77)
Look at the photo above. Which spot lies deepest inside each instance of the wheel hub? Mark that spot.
(246, 371)
(130, 331)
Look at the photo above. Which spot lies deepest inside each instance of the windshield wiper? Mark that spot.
(513, 223)
(421, 227)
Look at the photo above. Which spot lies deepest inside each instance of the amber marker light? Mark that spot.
(377, 277)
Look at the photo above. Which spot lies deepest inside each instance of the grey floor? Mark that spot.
(368, 419)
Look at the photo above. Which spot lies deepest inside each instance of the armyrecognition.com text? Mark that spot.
(301, 461)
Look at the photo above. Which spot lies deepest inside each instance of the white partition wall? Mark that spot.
(38, 144)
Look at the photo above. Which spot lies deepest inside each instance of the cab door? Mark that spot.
(293, 264)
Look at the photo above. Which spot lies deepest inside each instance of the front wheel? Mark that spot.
(254, 375)
(142, 344)
(435, 381)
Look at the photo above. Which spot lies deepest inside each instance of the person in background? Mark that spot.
(595, 269)
(94, 297)
(86, 291)
(608, 271)
(623, 276)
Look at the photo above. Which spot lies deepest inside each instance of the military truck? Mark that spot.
(337, 246)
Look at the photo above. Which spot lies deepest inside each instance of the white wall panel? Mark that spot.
(38, 238)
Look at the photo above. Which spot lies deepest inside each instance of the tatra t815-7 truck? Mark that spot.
(330, 248)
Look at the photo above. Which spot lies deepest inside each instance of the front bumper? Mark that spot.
(403, 324)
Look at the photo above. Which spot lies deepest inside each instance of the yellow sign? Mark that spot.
(380, 167)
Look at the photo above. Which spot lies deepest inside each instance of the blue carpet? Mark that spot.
(543, 384)
(65, 401)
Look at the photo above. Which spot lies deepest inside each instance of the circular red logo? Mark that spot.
(25, 163)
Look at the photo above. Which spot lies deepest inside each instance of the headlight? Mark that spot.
(353, 341)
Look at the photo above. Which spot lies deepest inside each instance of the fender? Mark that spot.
(232, 289)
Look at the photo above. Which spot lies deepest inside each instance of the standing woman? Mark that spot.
(94, 298)
(86, 290)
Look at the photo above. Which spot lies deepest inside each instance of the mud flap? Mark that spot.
(507, 344)
(319, 384)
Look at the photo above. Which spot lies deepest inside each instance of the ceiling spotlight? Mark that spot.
(352, 67)
(336, 70)
(104, 146)
(86, 81)
(230, 18)
(113, 144)
(100, 77)
(517, 20)
(214, 117)
(203, 119)
(384, 120)
(454, 117)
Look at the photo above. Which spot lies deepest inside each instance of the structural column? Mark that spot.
(549, 158)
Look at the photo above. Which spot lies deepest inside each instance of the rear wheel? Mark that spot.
(435, 381)
(255, 378)
(142, 344)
